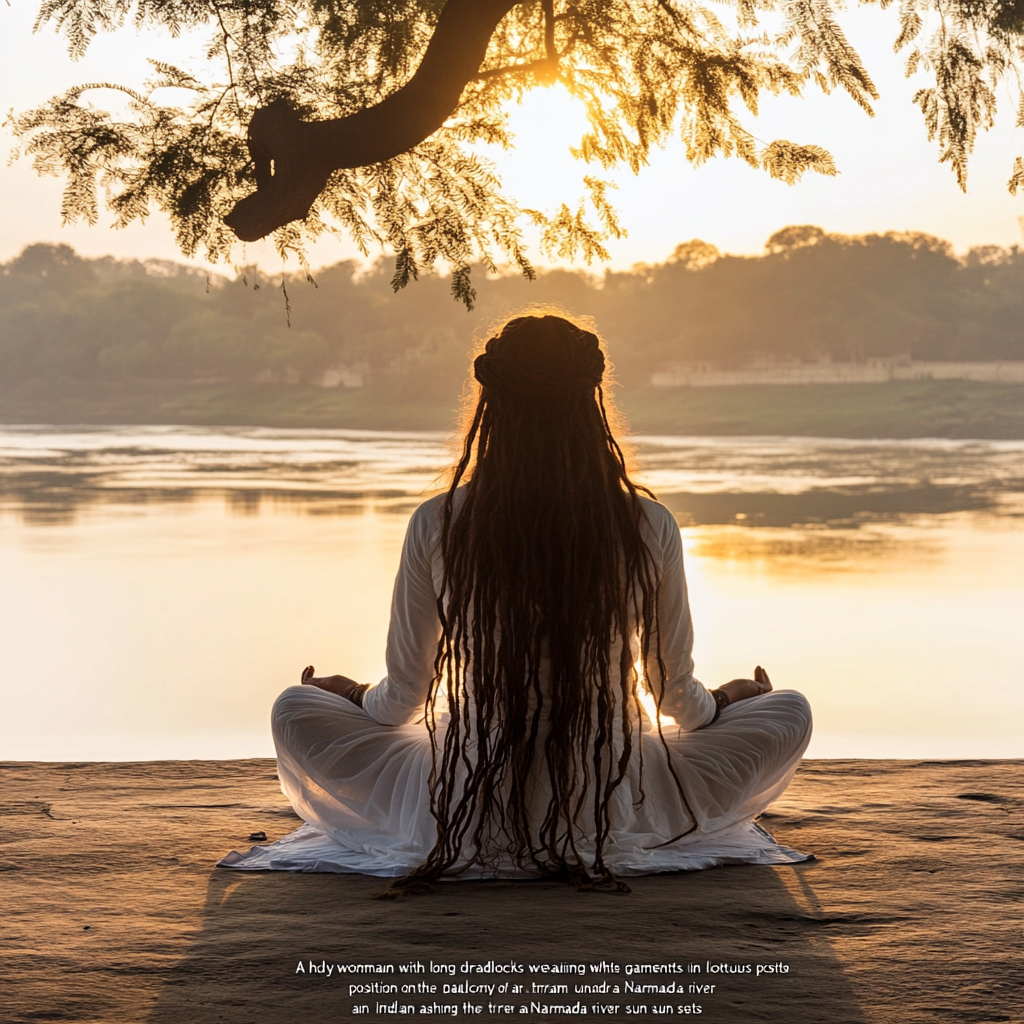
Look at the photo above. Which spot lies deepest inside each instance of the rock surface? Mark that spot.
(113, 911)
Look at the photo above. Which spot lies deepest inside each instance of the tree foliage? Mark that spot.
(363, 116)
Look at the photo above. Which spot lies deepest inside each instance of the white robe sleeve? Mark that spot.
(685, 698)
(414, 630)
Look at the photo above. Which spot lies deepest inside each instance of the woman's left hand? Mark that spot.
(341, 685)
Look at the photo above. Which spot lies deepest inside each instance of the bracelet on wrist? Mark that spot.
(721, 701)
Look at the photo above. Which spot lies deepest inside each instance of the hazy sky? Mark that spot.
(890, 177)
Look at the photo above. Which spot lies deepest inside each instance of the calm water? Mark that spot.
(159, 586)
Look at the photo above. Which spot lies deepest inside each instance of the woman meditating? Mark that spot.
(539, 603)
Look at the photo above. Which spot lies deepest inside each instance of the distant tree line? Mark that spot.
(811, 295)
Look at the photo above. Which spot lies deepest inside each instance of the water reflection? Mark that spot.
(47, 476)
(163, 585)
(849, 507)
(819, 551)
(786, 465)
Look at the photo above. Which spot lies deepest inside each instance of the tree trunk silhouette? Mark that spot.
(294, 158)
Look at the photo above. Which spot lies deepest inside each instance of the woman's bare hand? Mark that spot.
(341, 685)
(741, 689)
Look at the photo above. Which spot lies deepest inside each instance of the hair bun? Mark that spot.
(541, 357)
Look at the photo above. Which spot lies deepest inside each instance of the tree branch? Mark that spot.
(538, 67)
(548, 7)
(294, 158)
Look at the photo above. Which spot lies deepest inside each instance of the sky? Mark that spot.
(890, 178)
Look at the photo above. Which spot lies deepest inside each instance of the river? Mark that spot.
(160, 585)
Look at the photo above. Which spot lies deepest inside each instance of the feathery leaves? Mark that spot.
(643, 70)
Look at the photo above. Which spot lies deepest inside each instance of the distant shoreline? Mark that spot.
(896, 409)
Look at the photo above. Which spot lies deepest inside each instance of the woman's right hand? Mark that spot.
(741, 689)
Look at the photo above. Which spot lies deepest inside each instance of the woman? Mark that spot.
(539, 601)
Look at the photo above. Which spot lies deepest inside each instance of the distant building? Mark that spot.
(341, 377)
(871, 371)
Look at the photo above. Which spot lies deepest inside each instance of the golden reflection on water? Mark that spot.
(159, 587)
(815, 552)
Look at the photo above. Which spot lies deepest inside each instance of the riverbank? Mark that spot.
(115, 913)
(897, 409)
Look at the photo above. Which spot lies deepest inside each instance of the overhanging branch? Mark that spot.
(294, 158)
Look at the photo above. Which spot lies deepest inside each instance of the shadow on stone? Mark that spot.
(242, 965)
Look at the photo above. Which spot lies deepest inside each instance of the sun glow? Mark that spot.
(647, 701)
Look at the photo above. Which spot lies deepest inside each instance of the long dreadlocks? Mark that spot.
(547, 586)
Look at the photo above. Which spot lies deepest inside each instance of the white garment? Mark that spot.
(359, 776)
